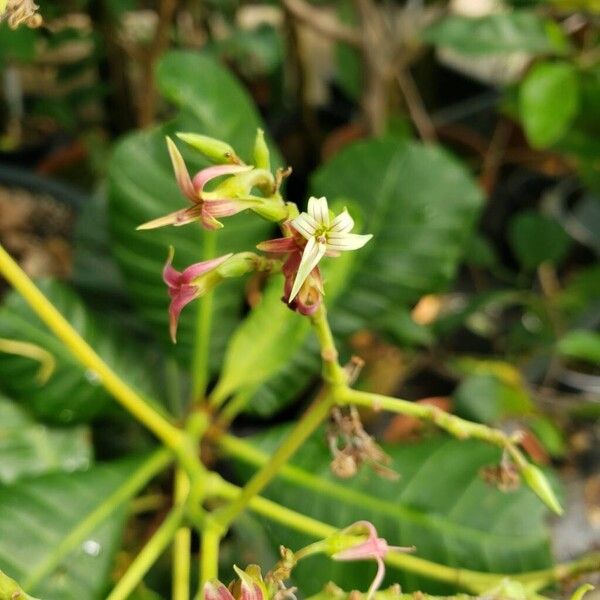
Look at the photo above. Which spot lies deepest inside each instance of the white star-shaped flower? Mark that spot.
(325, 237)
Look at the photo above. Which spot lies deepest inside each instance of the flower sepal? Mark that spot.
(261, 154)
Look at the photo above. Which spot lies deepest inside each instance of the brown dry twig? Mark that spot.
(323, 22)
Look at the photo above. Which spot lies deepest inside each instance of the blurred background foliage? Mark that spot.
(464, 135)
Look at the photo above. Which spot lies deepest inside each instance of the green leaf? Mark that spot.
(548, 102)
(72, 394)
(481, 252)
(142, 187)
(421, 225)
(535, 239)
(35, 515)
(420, 205)
(258, 351)
(581, 344)
(29, 448)
(517, 31)
(455, 519)
(488, 399)
(17, 44)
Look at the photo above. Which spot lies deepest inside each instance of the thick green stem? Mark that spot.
(332, 371)
(133, 402)
(459, 428)
(474, 581)
(148, 556)
(201, 353)
(182, 543)
(209, 555)
(136, 482)
(309, 422)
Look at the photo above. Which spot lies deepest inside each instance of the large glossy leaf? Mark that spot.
(142, 187)
(285, 355)
(420, 205)
(29, 448)
(439, 504)
(516, 31)
(36, 514)
(72, 394)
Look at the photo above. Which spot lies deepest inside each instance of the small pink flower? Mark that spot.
(188, 285)
(373, 547)
(249, 586)
(205, 210)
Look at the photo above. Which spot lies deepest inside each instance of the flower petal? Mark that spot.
(318, 210)
(171, 276)
(197, 269)
(204, 176)
(312, 254)
(341, 242)
(305, 225)
(215, 590)
(343, 223)
(226, 207)
(278, 245)
(250, 590)
(177, 218)
(181, 173)
(179, 299)
(377, 580)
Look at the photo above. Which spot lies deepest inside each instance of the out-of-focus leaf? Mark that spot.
(72, 394)
(488, 399)
(580, 344)
(535, 239)
(29, 448)
(403, 329)
(480, 252)
(420, 223)
(581, 291)
(35, 516)
(548, 102)
(550, 436)
(259, 351)
(17, 44)
(142, 187)
(517, 31)
(439, 504)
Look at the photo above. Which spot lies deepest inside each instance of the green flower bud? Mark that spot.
(215, 150)
(538, 482)
(262, 157)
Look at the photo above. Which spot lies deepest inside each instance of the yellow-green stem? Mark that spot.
(133, 402)
(182, 542)
(148, 556)
(332, 371)
(201, 353)
(459, 428)
(309, 422)
(209, 555)
(474, 581)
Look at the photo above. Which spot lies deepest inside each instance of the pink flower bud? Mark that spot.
(188, 285)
